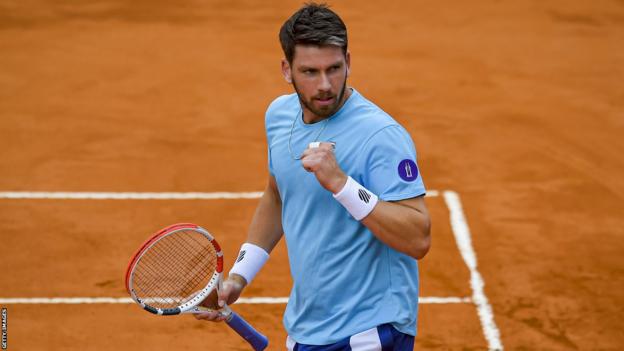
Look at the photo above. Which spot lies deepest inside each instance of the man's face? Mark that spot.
(319, 76)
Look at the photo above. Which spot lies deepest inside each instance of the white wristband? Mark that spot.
(358, 200)
(250, 260)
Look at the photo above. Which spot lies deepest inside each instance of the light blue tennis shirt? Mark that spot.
(345, 279)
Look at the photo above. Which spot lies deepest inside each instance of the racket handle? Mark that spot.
(258, 341)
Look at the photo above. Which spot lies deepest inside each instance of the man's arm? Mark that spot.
(264, 231)
(403, 225)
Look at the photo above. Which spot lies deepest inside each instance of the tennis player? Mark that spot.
(345, 190)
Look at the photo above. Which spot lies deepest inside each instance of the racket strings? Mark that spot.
(153, 271)
(174, 269)
(167, 264)
(170, 277)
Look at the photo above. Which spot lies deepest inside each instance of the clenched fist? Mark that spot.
(319, 159)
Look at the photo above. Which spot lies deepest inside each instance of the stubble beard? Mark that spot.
(328, 110)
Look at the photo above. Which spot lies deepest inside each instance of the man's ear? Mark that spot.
(348, 60)
(286, 71)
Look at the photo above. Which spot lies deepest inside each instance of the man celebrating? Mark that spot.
(345, 190)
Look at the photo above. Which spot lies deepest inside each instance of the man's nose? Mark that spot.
(324, 83)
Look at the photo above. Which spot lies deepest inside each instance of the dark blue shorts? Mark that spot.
(381, 338)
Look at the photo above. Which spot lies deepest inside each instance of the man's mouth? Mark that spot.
(325, 101)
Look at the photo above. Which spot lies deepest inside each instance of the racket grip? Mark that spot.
(258, 341)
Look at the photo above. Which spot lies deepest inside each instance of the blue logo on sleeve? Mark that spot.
(408, 171)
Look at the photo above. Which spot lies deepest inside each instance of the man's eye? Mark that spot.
(334, 68)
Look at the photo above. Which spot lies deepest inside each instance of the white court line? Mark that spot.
(242, 300)
(67, 195)
(71, 195)
(464, 243)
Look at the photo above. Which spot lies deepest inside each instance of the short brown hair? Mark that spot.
(313, 24)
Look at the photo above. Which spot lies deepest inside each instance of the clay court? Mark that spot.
(516, 109)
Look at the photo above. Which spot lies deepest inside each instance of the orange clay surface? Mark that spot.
(517, 106)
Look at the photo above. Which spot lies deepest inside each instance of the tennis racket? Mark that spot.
(176, 269)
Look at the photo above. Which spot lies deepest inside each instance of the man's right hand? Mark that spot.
(228, 294)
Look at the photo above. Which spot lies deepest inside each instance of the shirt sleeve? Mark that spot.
(270, 162)
(391, 170)
(267, 123)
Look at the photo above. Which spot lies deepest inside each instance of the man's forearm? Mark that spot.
(265, 229)
(404, 226)
(264, 232)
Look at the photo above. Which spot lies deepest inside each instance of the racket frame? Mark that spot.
(258, 341)
(190, 306)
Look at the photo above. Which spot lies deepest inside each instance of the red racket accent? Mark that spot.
(216, 246)
(219, 264)
(219, 257)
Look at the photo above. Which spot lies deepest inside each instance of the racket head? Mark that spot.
(175, 269)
